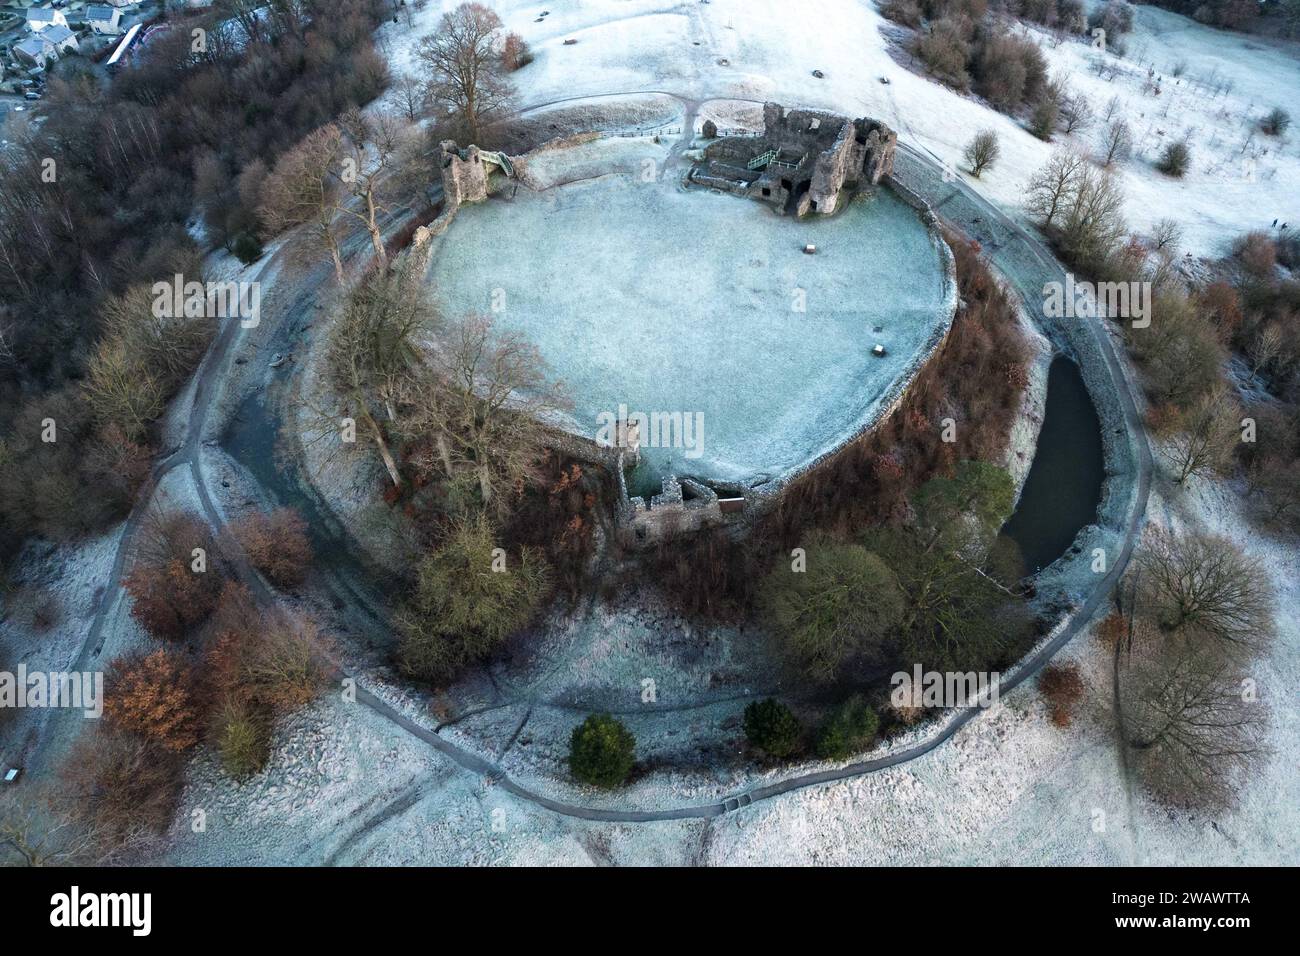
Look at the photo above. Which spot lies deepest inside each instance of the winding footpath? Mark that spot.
(1023, 261)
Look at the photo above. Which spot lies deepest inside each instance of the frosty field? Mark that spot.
(661, 299)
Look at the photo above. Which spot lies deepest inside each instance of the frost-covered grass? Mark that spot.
(1239, 179)
(769, 53)
(44, 622)
(669, 300)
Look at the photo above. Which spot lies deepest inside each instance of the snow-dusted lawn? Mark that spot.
(770, 50)
(669, 300)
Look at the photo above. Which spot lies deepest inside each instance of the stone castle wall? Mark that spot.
(464, 174)
(819, 154)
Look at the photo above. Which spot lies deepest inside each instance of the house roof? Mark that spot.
(97, 12)
(34, 46)
(40, 15)
(57, 34)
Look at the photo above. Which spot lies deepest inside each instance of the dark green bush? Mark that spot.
(1175, 160)
(601, 751)
(772, 727)
(847, 729)
(246, 247)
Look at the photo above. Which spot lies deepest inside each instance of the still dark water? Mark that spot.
(1063, 489)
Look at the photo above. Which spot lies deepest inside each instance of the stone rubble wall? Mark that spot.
(464, 174)
(836, 154)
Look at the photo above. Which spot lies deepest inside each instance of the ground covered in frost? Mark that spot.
(656, 298)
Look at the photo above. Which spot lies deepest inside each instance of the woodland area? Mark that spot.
(94, 209)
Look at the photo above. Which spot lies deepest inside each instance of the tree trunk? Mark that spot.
(376, 237)
(389, 462)
(332, 244)
(445, 452)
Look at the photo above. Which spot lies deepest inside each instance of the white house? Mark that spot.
(61, 38)
(103, 19)
(35, 50)
(40, 19)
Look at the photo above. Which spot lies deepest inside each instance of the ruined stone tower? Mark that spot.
(802, 161)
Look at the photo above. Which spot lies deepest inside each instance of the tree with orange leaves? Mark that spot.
(152, 696)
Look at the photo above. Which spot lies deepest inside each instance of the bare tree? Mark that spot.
(1117, 144)
(1076, 114)
(335, 171)
(122, 390)
(515, 54)
(168, 344)
(35, 830)
(1264, 348)
(1202, 586)
(122, 788)
(466, 75)
(1166, 234)
(372, 145)
(1094, 217)
(982, 151)
(373, 355)
(412, 98)
(486, 404)
(1275, 480)
(1209, 430)
(303, 188)
(248, 15)
(1052, 187)
(1192, 728)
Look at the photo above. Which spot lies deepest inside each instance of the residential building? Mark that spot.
(104, 19)
(40, 19)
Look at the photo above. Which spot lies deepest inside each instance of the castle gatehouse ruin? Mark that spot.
(801, 162)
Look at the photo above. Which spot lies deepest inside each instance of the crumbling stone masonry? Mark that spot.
(464, 174)
(802, 161)
(465, 178)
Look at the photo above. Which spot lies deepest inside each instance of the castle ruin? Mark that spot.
(802, 161)
(466, 176)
